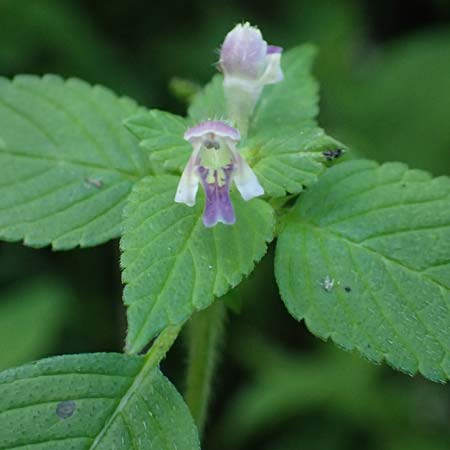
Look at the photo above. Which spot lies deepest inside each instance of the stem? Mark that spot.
(162, 344)
(241, 99)
(153, 357)
(206, 330)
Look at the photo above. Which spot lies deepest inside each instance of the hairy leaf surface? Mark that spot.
(161, 136)
(174, 265)
(365, 259)
(209, 103)
(286, 159)
(92, 402)
(67, 162)
(285, 144)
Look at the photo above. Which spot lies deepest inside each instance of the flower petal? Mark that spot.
(274, 49)
(218, 206)
(245, 179)
(188, 184)
(219, 128)
(243, 52)
(273, 72)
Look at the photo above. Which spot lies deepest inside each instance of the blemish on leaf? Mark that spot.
(347, 289)
(65, 409)
(93, 182)
(327, 283)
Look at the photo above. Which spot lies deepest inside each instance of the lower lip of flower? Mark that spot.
(216, 184)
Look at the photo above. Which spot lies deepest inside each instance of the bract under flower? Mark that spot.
(215, 163)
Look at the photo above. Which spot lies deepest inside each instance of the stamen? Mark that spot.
(208, 143)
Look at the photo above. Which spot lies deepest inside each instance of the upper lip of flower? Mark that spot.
(216, 127)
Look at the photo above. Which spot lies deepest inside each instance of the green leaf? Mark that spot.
(161, 136)
(284, 144)
(93, 401)
(23, 337)
(209, 103)
(365, 259)
(67, 162)
(294, 100)
(286, 160)
(174, 265)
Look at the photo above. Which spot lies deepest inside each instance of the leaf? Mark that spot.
(67, 163)
(161, 136)
(286, 160)
(92, 401)
(365, 259)
(22, 336)
(174, 265)
(285, 144)
(209, 103)
(294, 100)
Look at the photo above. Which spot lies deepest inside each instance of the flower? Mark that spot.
(248, 64)
(215, 163)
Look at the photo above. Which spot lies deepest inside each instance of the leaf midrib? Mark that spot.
(148, 366)
(169, 274)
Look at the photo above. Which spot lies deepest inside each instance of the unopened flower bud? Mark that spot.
(248, 64)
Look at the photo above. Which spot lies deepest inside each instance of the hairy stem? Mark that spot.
(162, 344)
(205, 335)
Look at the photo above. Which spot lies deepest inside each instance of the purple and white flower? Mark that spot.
(248, 64)
(216, 163)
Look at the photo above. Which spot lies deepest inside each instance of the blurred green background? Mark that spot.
(384, 69)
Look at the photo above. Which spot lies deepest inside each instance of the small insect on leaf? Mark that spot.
(331, 155)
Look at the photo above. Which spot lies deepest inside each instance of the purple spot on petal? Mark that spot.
(271, 49)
